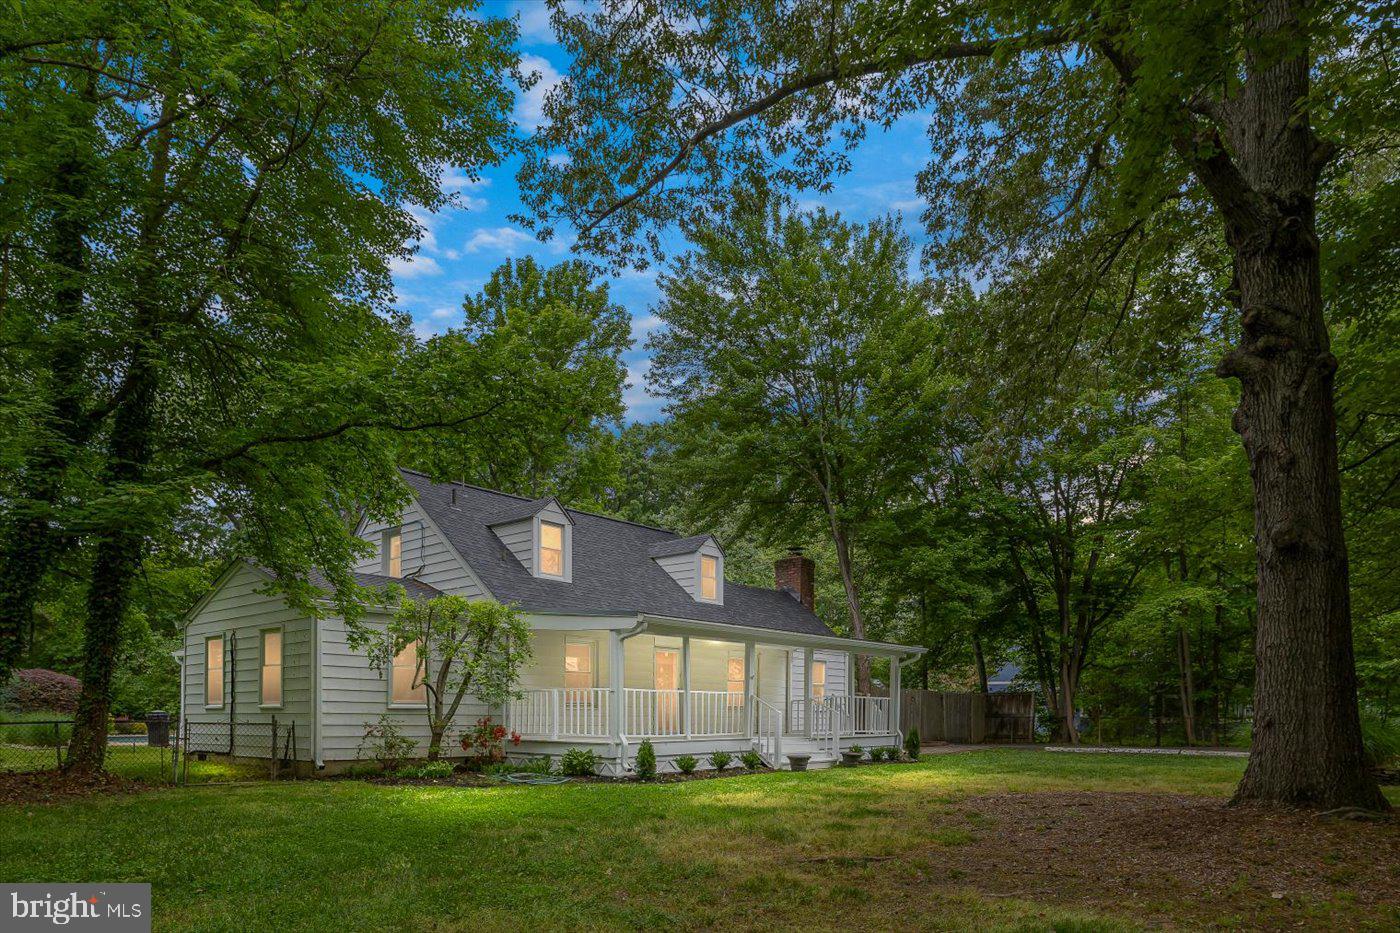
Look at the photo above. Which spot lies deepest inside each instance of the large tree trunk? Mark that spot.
(980, 659)
(1307, 732)
(121, 541)
(845, 565)
(1185, 683)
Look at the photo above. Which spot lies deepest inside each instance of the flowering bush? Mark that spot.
(38, 690)
(487, 740)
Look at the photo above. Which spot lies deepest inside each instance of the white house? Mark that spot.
(637, 634)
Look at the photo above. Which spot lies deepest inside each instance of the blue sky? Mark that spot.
(459, 248)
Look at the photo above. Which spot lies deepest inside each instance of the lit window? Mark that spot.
(407, 684)
(709, 577)
(736, 682)
(272, 668)
(393, 553)
(578, 665)
(818, 679)
(551, 549)
(214, 671)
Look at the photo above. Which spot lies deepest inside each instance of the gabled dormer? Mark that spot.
(541, 536)
(696, 564)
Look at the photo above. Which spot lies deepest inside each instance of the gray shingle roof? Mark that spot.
(519, 509)
(414, 588)
(613, 570)
(678, 546)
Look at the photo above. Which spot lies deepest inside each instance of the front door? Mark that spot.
(668, 682)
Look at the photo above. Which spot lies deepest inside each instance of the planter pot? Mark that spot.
(851, 759)
(798, 762)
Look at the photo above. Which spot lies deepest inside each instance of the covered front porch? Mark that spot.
(695, 687)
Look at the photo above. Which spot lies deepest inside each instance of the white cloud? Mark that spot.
(455, 179)
(643, 326)
(410, 267)
(529, 106)
(443, 313)
(534, 21)
(507, 240)
(635, 396)
(560, 159)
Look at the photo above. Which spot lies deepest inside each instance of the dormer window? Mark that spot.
(709, 577)
(392, 553)
(551, 549)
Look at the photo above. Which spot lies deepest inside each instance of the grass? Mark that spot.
(841, 847)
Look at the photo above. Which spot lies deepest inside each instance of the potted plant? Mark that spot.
(798, 762)
(851, 757)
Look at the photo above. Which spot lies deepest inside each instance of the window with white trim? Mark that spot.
(735, 682)
(709, 577)
(270, 675)
(551, 549)
(578, 665)
(818, 680)
(406, 686)
(214, 671)
(393, 553)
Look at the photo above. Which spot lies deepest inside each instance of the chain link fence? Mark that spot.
(167, 752)
(35, 745)
(227, 750)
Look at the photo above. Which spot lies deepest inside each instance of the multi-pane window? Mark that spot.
(709, 577)
(393, 553)
(578, 665)
(214, 671)
(406, 684)
(551, 549)
(818, 679)
(271, 674)
(735, 682)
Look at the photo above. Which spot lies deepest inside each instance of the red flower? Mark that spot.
(515, 738)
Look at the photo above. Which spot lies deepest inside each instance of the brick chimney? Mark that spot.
(795, 573)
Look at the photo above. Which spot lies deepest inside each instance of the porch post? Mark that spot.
(750, 685)
(616, 715)
(685, 685)
(895, 698)
(807, 691)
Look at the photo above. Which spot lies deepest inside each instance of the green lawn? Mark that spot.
(884, 846)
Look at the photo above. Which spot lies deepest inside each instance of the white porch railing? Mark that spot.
(863, 715)
(716, 712)
(651, 713)
(768, 738)
(570, 712)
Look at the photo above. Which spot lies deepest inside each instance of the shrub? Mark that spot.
(36, 689)
(428, 769)
(1380, 738)
(877, 753)
(912, 745)
(892, 752)
(386, 743)
(646, 760)
(751, 760)
(720, 760)
(579, 762)
(686, 763)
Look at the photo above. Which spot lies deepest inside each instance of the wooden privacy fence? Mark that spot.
(968, 717)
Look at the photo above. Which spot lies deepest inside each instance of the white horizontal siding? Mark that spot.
(239, 613)
(519, 539)
(837, 663)
(425, 555)
(354, 696)
(682, 568)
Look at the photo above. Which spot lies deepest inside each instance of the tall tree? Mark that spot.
(242, 183)
(790, 348)
(1131, 103)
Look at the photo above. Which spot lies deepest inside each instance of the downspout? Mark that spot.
(316, 756)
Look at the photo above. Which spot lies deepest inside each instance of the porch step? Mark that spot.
(820, 757)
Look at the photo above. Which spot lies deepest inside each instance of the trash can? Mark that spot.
(158, 728)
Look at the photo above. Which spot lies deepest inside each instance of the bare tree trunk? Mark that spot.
(1186, 685)
(844, 564)
(980, 659)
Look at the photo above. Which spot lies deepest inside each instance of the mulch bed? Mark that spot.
(1162, 858)
(53, 786)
